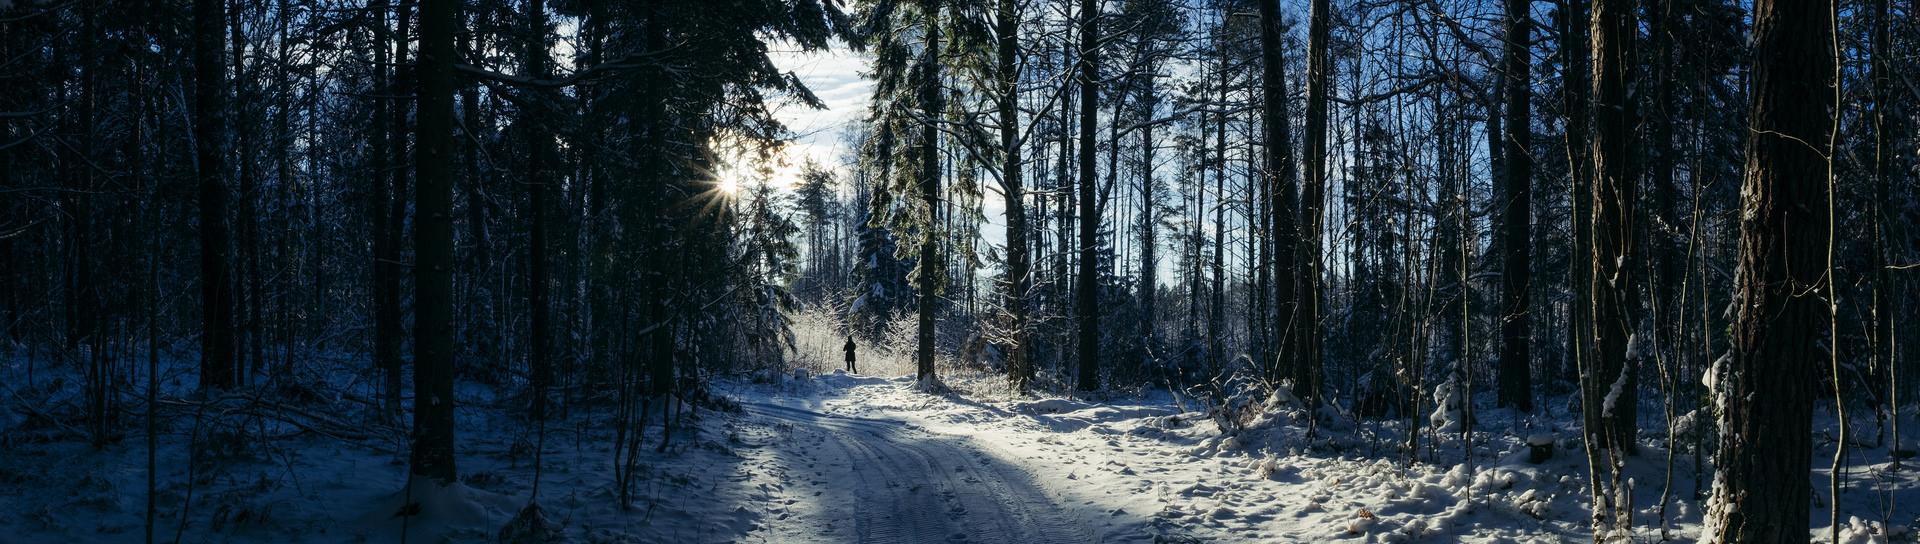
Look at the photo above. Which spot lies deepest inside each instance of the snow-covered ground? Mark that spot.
(1158, 469)
(317, 466)
(832, 457)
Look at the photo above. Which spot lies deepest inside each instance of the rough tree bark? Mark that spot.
(1767, 390)
(1615, 174)
(1609, 386)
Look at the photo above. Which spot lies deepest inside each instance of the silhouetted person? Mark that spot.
(849, 349)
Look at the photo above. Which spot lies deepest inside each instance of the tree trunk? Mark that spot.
(1516, 278)
(386, 272)
(209, 133)
(1884, 141)
(1217, 309)
(480, 338)
(1088, 288)
(432, 454)
(1283, 177)
(1007, 26)
(1149, 237)
(930, 270)
(248, 294)
(1616, 173)
(402, 88)
(1661, 240)
(1573, 93)
(542, 165)
(283, 165)
(1767, 390)
(1313, 200)
(1610, 384)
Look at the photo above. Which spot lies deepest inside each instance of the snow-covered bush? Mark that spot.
(1235, 402)
(1446, 414)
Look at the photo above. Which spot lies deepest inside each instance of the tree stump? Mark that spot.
(1539, 448)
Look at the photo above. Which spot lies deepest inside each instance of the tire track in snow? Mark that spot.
(933, 489)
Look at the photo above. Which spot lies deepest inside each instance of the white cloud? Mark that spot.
(819, 134)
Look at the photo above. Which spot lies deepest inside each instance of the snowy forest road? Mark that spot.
(870, 480)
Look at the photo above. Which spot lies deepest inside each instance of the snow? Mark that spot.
(823, 455)
(1143, 470)
(428, 511)
(1613, 393)
(1446, 407)
(305, 486)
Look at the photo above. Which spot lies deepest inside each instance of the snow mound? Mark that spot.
(531, 526)
(429, 511)
(1857, 531)
(1051, 406)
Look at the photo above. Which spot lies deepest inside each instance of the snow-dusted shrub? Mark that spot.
(1446, 414)
(1237, 401)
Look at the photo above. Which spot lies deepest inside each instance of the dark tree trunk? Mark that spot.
(1217, 298)
(1196, 197)
(248, 295)
(1088, 289)
(1615, 269)
(1573, 91)
(1885, 141)
(1782, 291)
(542, 166)
(209, 133)
(1149, 237)
(931, 269)
(479, 338)
(85, 339)
(1451, 272)
(432, 454)
(285, 193)
(402, 92)
(1285, 189)
(1313, 200)
(1610, 383)
(1662, 221)
(386, 272)
(1517, 216)
(1019, 271)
